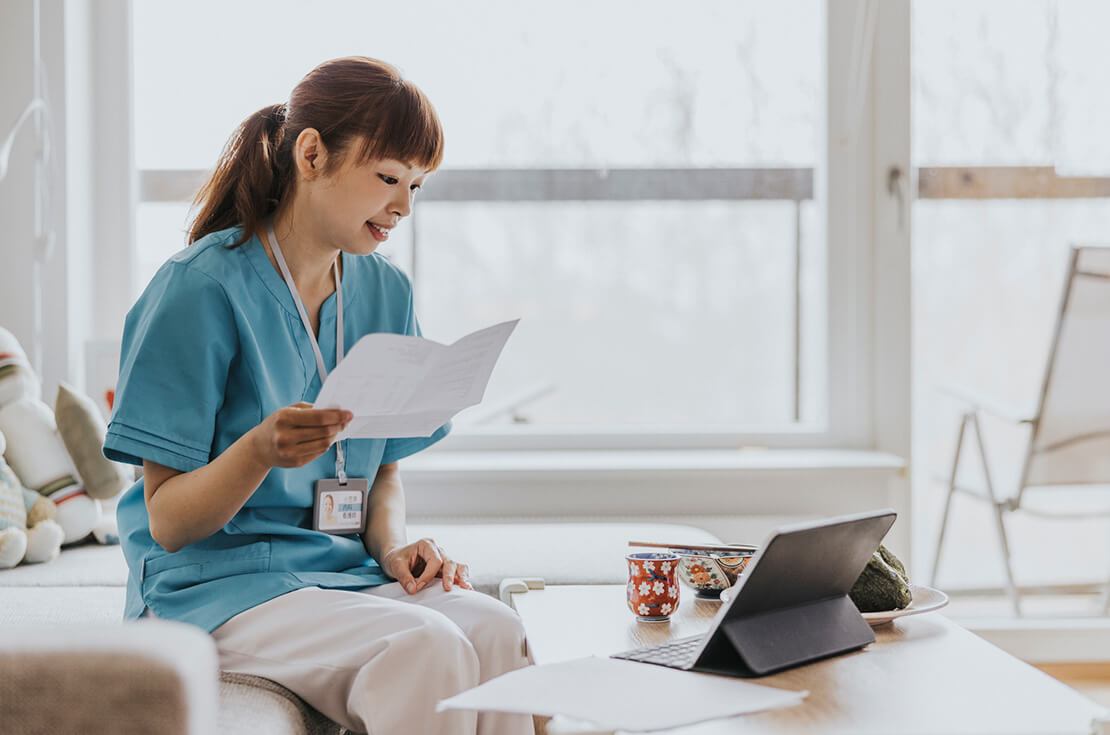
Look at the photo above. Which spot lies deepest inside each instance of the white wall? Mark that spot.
(91, 178)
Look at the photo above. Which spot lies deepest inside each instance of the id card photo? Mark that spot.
(339, 510)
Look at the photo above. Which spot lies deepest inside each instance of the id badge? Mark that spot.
(340, 509)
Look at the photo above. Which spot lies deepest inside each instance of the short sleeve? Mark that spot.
(397, 449)
(178, 343)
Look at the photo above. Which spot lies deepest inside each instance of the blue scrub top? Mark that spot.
(212, 347)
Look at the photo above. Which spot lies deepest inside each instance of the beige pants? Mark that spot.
(378, 660)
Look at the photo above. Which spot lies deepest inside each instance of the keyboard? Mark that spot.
(678, 654)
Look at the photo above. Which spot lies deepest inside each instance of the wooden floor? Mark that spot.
(1090, 680)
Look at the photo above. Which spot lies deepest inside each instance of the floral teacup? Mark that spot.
(652, 585)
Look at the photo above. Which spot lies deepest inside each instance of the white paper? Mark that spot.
(401, 386)
(621, 695)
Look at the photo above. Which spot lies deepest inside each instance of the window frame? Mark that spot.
(866, 383)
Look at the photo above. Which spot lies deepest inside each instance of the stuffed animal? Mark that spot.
(35, 450)
(27, 529)
(83, 430)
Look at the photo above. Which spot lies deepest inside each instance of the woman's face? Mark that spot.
(329, 503)
(356, 207)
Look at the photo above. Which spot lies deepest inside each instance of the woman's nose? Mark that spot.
(402, 205)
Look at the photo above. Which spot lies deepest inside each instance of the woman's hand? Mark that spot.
(295, 435)
(415, 565)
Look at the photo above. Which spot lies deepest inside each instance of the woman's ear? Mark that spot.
(309, 154)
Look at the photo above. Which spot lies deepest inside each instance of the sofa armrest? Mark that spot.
(141, 677)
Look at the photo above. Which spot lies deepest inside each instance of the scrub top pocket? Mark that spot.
(174, 572)
(241, 560)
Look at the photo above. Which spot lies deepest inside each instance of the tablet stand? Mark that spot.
(774, 640)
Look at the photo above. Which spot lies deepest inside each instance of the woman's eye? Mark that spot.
(415, 187)
(388, 179)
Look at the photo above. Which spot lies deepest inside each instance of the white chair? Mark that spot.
(1069, 432)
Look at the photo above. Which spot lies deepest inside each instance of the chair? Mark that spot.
(1069, 432)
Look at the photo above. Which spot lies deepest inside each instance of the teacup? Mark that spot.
(711, 572)
(652, 585)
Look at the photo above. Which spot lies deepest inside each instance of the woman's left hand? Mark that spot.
(415, 565)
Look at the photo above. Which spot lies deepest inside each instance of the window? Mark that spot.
(1008, 138)
(677, 280)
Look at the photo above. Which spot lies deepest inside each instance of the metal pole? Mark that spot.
(797, 311)
(37, 184)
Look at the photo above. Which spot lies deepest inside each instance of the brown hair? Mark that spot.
(348, 100)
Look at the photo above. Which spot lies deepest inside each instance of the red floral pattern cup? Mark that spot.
(652, 585)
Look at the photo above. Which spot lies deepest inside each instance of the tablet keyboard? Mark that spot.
(678, 654)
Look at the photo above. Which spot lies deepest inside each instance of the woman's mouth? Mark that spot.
(381, 234)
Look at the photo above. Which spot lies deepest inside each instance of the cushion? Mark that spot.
(251, 704)
(60, 605)
(83, 565)
(83, 430)
(145, 677)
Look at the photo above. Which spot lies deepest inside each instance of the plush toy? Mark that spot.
(27, 529)
(35, 450)
(83, 430)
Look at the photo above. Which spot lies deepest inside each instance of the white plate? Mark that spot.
(925, 599)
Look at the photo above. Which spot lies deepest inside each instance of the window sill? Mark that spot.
(653, 462)
(735, 494)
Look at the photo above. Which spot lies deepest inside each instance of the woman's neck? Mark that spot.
(309, 258)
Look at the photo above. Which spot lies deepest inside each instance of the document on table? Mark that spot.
(621, 695)
(401, 386)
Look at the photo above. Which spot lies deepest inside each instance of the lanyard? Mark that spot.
(340, 454)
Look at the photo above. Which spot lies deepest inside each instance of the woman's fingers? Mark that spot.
(433, 560)
(296, 416)
(400, 571)
(303, 434)
(462, 576)
(448, 572)
(305, 450)
(311, 434)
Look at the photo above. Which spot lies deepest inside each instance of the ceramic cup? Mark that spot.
(652, 585)
(710, 572)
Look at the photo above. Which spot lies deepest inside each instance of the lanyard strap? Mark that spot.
(321, 368)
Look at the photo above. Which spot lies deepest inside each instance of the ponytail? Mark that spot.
(249, 179)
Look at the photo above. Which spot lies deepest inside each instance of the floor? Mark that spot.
(1091, 680)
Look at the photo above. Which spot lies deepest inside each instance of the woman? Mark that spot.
(223, 354)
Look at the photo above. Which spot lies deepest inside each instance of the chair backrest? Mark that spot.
(1070, 443)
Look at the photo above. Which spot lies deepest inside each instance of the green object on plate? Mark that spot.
(883, 585)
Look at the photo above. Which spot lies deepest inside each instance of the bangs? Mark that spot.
(404, 127)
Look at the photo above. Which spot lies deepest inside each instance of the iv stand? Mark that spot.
(37, 112)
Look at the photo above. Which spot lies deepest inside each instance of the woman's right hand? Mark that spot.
(295, 435)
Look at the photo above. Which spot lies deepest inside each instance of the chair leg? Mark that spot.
(948, 499)
(1011, 587)
(1000, 525)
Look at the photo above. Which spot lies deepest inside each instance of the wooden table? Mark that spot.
(924, 674)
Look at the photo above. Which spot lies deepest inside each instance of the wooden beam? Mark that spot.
(1007, 182)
